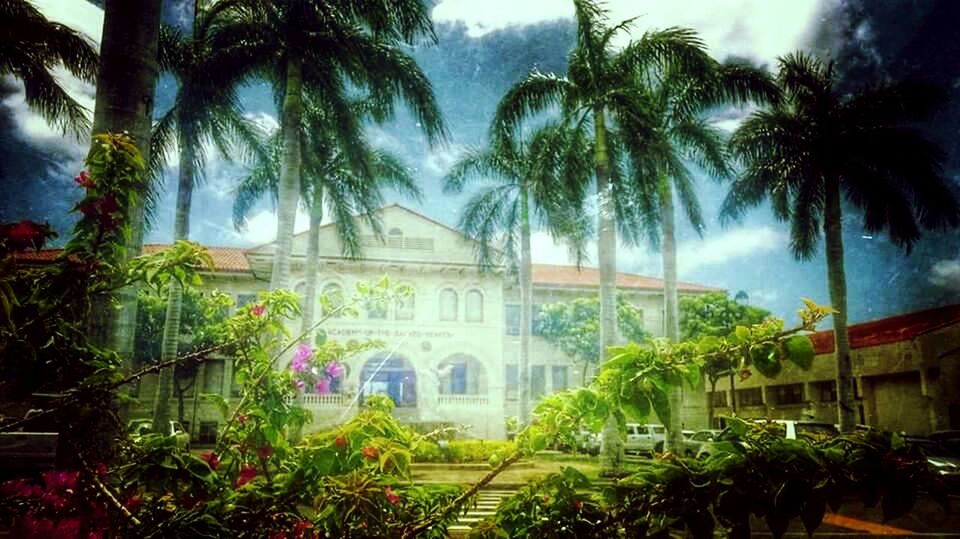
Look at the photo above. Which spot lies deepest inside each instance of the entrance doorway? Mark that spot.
(393, 376)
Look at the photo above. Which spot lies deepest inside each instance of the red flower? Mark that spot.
(258, 310)
(212, 459)
(370, 453)
(19, 488)
(133, 503)
(61, 481)
(340, 441)
(84, 180)
(247, 473)
(242, 418)
(578, 504)
(265, 452)
(546, 499)
(24, 234)
(392, 496)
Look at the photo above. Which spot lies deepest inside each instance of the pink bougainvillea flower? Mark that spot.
(299, 385)
(370, 453)
(392, 496)
(257, 310)
(265, 452)
(60, 480)
(301, 359)
(101, 470)
(24, 232)
(247, 473)
(322, 386)
(334, 370)
(84, 180)
(211, 459)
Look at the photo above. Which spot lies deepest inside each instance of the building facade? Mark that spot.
(450, 351)
(907, 371)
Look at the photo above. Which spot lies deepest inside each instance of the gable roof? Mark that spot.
(570, 276)
(381, 210)
(894, 329)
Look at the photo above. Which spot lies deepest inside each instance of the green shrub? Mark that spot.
(462, 451)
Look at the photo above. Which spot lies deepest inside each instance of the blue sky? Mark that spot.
(484, 48)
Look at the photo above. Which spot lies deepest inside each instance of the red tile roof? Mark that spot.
(234, 259)
(547, 274)
(225, 259)
(890, 330)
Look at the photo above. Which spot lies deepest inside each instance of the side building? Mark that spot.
(450, 351)
(906, 367)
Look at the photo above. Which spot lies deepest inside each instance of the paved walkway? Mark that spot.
(486, 506)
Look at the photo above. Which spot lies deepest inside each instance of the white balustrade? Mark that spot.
(463, 401)
(332, 400)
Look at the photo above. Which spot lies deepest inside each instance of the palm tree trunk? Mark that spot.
(124, 103)
(710, 410)
(612, 454)
(526, 305)
(836, 277)
(671, 321)
(313, 255)
(289, 189)
(171, 322)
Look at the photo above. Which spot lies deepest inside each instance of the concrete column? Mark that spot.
(227, 379)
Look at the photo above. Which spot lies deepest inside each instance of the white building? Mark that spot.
(451, 353)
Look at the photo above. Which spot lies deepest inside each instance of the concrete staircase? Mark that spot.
(486, 506)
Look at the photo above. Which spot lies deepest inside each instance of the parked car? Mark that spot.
(949, 439)
(691, 445)
(587, 442)
(942, 460)
(645, 438)
(142, 427)
(787, 428)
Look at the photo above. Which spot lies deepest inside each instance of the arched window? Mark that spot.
(405, 307)
(332, 300)
(474, 306)
(395, 238)
(461, 374)
(448, 305)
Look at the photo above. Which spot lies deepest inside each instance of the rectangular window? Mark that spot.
(538, 381)
(458, 379)
(511, 315)
(750, 397)
(719, 399)
(235, 386)
(559, 377)
(786, 394)
(827, 391)
(208, 432)
(213, 376)
(535, 319)
(512, 380)
(405, 307)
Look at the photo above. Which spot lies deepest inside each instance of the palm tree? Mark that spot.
(332, 181)
(326, 48)
(543, 180)
(820, 145)
(601, 90)
(208, 71)
(30, 47)
(677, 101)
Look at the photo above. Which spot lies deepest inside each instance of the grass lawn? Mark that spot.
(533, 469)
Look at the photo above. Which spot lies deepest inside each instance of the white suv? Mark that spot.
(645, 438)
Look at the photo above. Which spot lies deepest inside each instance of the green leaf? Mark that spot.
(661, 405)
(637, 408)
(742, 333)
(764, 359)
(799, 350)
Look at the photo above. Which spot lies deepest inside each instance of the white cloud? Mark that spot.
(757, 29)
(262, 226)
(692, 255)
(267, 122)
(946, 273)
(439, 160)
(87, 19)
